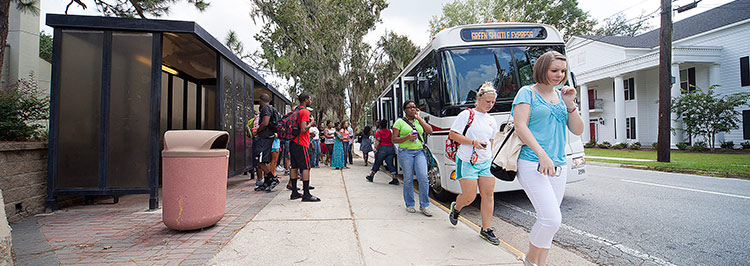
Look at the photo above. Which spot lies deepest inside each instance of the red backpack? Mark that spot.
(288, 126)
(451, 146)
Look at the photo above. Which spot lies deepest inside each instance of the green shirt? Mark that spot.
(404, 130)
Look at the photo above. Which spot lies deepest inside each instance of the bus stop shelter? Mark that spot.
(119, 83)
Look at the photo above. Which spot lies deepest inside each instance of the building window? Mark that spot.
(630, 127)
(629, 85)
(746, 124)
(745, 71)
(687, 79)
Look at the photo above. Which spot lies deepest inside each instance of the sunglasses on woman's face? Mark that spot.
(410, 107)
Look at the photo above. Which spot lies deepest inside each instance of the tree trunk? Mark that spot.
(4, 17)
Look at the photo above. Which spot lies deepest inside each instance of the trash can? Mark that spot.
(194, 178)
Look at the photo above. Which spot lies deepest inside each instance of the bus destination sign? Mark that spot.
(494, 34)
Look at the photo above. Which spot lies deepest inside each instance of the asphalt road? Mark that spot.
(620, 216)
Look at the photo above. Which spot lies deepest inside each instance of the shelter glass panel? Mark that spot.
(164, 105)
(209, 107)
(178, 95)
(239, 118)
(128, 147)
(192, 105)
(227, 100)
(79, 109)
(249, 83)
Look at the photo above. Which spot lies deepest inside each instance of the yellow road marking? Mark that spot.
(518, 253)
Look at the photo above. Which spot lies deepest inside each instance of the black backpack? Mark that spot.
(275, 118)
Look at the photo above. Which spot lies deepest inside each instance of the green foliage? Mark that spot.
(707, 113)
(635, 146)
(604, 145)
(21, 108)
(590, 144)
(655, 145)
(318, 45)
(45, 46)
(620, 146)
(138, 8)
(619, 25)
(699, 146)
(727, 144)
(745, 145)
(683, 146)
(564, 14)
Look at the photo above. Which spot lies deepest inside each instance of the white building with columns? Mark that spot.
(618, 75)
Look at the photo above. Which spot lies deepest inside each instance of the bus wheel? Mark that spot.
(436, 188)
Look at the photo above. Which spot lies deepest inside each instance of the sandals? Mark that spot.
(526, 260)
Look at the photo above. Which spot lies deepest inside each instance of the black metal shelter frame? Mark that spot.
(112, 78)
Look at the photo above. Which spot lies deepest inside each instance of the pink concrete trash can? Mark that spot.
(194, 178)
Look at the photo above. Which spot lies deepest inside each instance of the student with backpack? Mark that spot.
(297, 124)
(268, 117)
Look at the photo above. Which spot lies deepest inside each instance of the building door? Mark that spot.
(592, 131)
(591, 99)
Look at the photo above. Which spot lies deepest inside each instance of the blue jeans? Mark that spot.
(348, 152)
(385, 155)
(316, 152)
(414, 162)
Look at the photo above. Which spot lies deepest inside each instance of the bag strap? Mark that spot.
(411, 124)
(471, 120)
(512, 129)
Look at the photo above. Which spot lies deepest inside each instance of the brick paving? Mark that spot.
(128, 233)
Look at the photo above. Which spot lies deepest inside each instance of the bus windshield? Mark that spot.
(508, 68)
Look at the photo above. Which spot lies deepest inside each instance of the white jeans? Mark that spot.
(546, 194)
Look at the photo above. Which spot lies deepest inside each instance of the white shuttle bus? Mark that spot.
(444, 77)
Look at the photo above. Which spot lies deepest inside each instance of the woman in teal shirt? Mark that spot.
(411, 157)
(541, 113)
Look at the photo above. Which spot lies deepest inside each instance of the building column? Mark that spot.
(714, 78)
(620, 110)
(677, 136)
(585, 112)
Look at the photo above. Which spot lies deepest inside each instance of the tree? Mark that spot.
(21, 109)
(707, 113)
(45, 46)
(564, 14)
(398, 51)
(26, 6)
(621, 26)
(133, 8)
(310, 42)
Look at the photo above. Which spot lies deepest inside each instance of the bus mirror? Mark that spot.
(424, 89)
(573, 80)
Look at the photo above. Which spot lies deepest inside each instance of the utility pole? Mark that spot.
(665, 81)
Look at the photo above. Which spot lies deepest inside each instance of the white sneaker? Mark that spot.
(426, 211)
(280, 168)
(411, 209)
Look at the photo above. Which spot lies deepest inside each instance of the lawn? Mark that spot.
(714, 164)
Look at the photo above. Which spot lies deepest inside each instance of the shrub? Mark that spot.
(590, 144)
(21, 108)
(604, 145)
(727, 145)
(683, 146)
(745, 145)
(635, 146)
(620, 146)
(655, 145)
(699, 146)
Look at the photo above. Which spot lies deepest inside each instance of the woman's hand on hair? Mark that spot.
(569, 95)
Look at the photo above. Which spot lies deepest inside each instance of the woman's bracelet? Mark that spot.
(571, 110)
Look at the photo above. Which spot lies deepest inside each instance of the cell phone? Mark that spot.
(484, 145)
(558, 169)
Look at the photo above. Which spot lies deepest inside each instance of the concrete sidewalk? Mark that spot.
(356, 223)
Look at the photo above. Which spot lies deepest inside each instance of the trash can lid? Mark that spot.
(195, 143)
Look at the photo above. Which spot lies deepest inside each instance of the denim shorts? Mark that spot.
(468, 171)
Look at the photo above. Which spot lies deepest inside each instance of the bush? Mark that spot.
(620, 146)
(655, 145)
(683, 146)
(635, 146)
(21, 108)
(727, 145)
(604, 145)
(699, 146)
(590, 144)
(745, 145)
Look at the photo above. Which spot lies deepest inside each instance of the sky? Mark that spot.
(405, 17)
